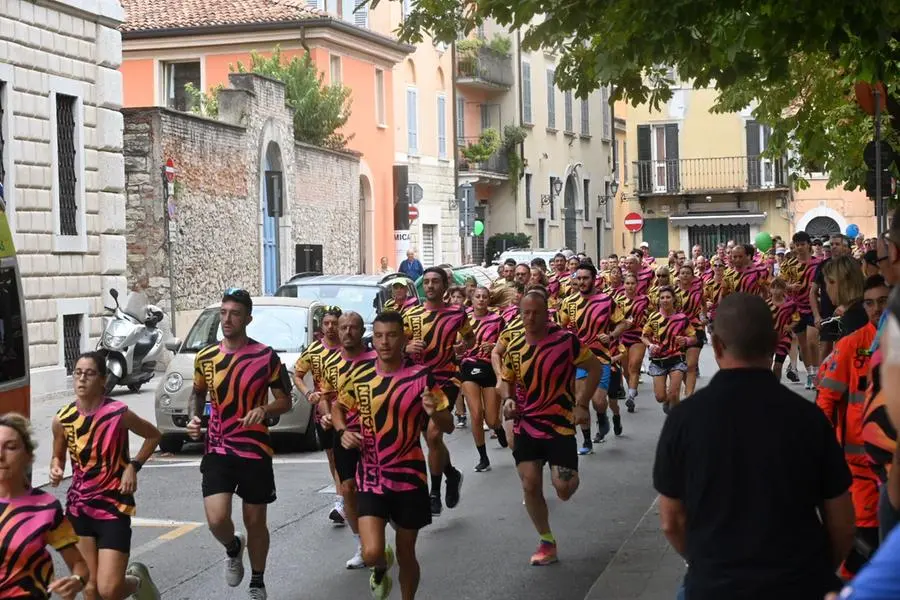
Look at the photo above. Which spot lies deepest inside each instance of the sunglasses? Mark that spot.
(237, 292)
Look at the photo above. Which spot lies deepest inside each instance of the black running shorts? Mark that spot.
(481, 373)
(108, 534)
(406, 510)
(558, 451)
(252, 479)
(345, 461)
(326, 437)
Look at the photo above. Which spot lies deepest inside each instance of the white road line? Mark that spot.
(166, 537)
(168, 523)
(168, 464)
(328, 490)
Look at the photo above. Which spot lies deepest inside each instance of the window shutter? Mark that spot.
(361, 14)
(485, 116)
(605, 111)
(570, 118)
(585, 117)
(673, 178)
(645, 159)
(460, 120)
(526, 92)
(404, 8)
(315, 3)
(753, 148)
(442, 126)
(411, 122)
(551, 99)
(587, 199)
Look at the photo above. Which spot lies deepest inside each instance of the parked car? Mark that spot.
(285, 324)
(483, 276)
(365, 294)
(525, 255)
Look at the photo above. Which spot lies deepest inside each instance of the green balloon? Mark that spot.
(763, 241)
(478, 228)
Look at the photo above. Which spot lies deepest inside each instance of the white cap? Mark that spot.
(645, 244)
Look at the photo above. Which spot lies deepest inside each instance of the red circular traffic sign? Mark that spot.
(413, 213)
(634, 222)
(170, 170)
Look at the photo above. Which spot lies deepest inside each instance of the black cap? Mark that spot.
(871, 257)
(241, 296)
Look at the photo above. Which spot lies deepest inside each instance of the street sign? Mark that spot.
(170, 170)
(413, 213)
(634, 222)
(887, 154)
(416, 193)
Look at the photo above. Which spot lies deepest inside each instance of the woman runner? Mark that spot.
(667, 334)
(689, 293)
(786, 315)
(717, 288)
(614, 281)
(636, 308)
(478, 379)
(663, 279)
(457, 297)
(100, 501)
(31, 520)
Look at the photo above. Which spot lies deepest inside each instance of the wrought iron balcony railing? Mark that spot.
(497, 163)
(719, 174)
(485, 67)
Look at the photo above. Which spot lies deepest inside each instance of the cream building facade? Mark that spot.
(819, 210)
(63, 171)
(554, 195)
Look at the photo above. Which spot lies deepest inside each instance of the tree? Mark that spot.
(755, 49)
(320, 110)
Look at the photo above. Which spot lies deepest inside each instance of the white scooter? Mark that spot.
(131, 341)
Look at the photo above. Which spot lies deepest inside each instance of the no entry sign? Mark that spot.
(413, 213)
(634, 222)
(170, 170)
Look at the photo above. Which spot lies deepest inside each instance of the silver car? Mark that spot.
(285, 324)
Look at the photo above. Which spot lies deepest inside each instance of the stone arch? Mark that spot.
(440, 78)
(822, 211)
(368, 261)
(273, 155)
(410, 72)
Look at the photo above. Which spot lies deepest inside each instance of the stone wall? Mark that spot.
(51, 48)
(217, 203)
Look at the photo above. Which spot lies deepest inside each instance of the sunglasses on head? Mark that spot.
(237, 292)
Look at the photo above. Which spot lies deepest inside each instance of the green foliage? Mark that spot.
(501, 44)
(204, 103)
(500, 241)
(488, 143)
(513, 136)
(744, 50)
(320, 110)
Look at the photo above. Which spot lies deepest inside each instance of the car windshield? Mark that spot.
(284, 328)
(358, 298)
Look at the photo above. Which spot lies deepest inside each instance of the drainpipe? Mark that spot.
(519, 109)
(456, 199)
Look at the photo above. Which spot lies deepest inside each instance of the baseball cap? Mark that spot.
(645, 244)
(871, 257)
(779, 250)
(239, 295)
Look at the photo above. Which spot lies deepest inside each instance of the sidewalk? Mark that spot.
(644, 568)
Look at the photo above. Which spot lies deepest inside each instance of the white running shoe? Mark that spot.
(337, 515)
(357, 561)
(146, 589)
(234, 567)
(257, 594)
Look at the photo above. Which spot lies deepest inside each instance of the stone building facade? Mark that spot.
(435, 234)
(62, 173)
(217, 229)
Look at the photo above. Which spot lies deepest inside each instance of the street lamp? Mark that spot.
(555, 190)
(613, 188)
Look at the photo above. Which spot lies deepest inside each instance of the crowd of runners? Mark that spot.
(522, 361)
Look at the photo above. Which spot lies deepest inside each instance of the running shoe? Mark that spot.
(485, 427)
(665, 407)
(809, 381)
(146, 588)
(436, 507)
(454, 488)
(337, 515)
(234, 566)
(382, 589)
(501, 437)
(603, 427)
(461, 420)
(791, 375)
(545, 555)
(586, 448)
(629, 404)
(617, 424)
(482, 466)
(357, 561)
(257, 593)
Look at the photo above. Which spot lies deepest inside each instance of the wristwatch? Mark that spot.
(340, 432)
(136, 464)
(80, 580)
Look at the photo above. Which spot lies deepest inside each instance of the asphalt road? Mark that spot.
(480, 550)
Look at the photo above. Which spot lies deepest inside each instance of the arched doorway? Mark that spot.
(366, 235)
(272, 207)
(821, 226)
(571, 231)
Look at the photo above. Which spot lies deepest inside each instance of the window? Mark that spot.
(67, 165)
(587, 199)
(412, 121)
(7, 182)
(379, 97)
(485, 116)
(762, 171)
(334, 62)
(552, 199)
(442, 125)
(405, 8)
(585, 117)
(570, 118)
(606, 111)
(551, 99)
(658, 167)
(71, 341)
(12, 340)
(542, 233)
(526, 93)
(429, 234)
(354, 11)
(608, 207)
(460, 121)
(527, 195)
(176, 75)
(625, 162)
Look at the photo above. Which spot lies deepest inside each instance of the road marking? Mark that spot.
(170, 464)
(166, 523)
(166, 537)
(177, 533)
(328, 490)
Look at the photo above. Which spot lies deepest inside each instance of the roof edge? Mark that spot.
(338, 24)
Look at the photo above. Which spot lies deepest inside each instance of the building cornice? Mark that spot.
(106, 12)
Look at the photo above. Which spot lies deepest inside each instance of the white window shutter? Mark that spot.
(412, 121)
(315, 4)
(442, 126)
(361, 15)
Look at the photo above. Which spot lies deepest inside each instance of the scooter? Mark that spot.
(131, 342)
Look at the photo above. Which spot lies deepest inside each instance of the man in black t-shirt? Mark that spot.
(745, 468)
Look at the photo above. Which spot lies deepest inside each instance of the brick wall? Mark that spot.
(45, 49)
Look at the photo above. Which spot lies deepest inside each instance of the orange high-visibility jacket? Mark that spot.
(841, 395)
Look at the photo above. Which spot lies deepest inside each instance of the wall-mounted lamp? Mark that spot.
(555, 190)
(613, 188)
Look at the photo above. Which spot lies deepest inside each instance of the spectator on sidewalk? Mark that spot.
(754, 489)
(411, 267)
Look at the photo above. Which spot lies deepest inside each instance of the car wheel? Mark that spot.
(310, 439)
(135, 387)
(171, 443)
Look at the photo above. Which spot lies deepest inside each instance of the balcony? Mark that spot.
(493, 170)
(484, 69)
(720, 175)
